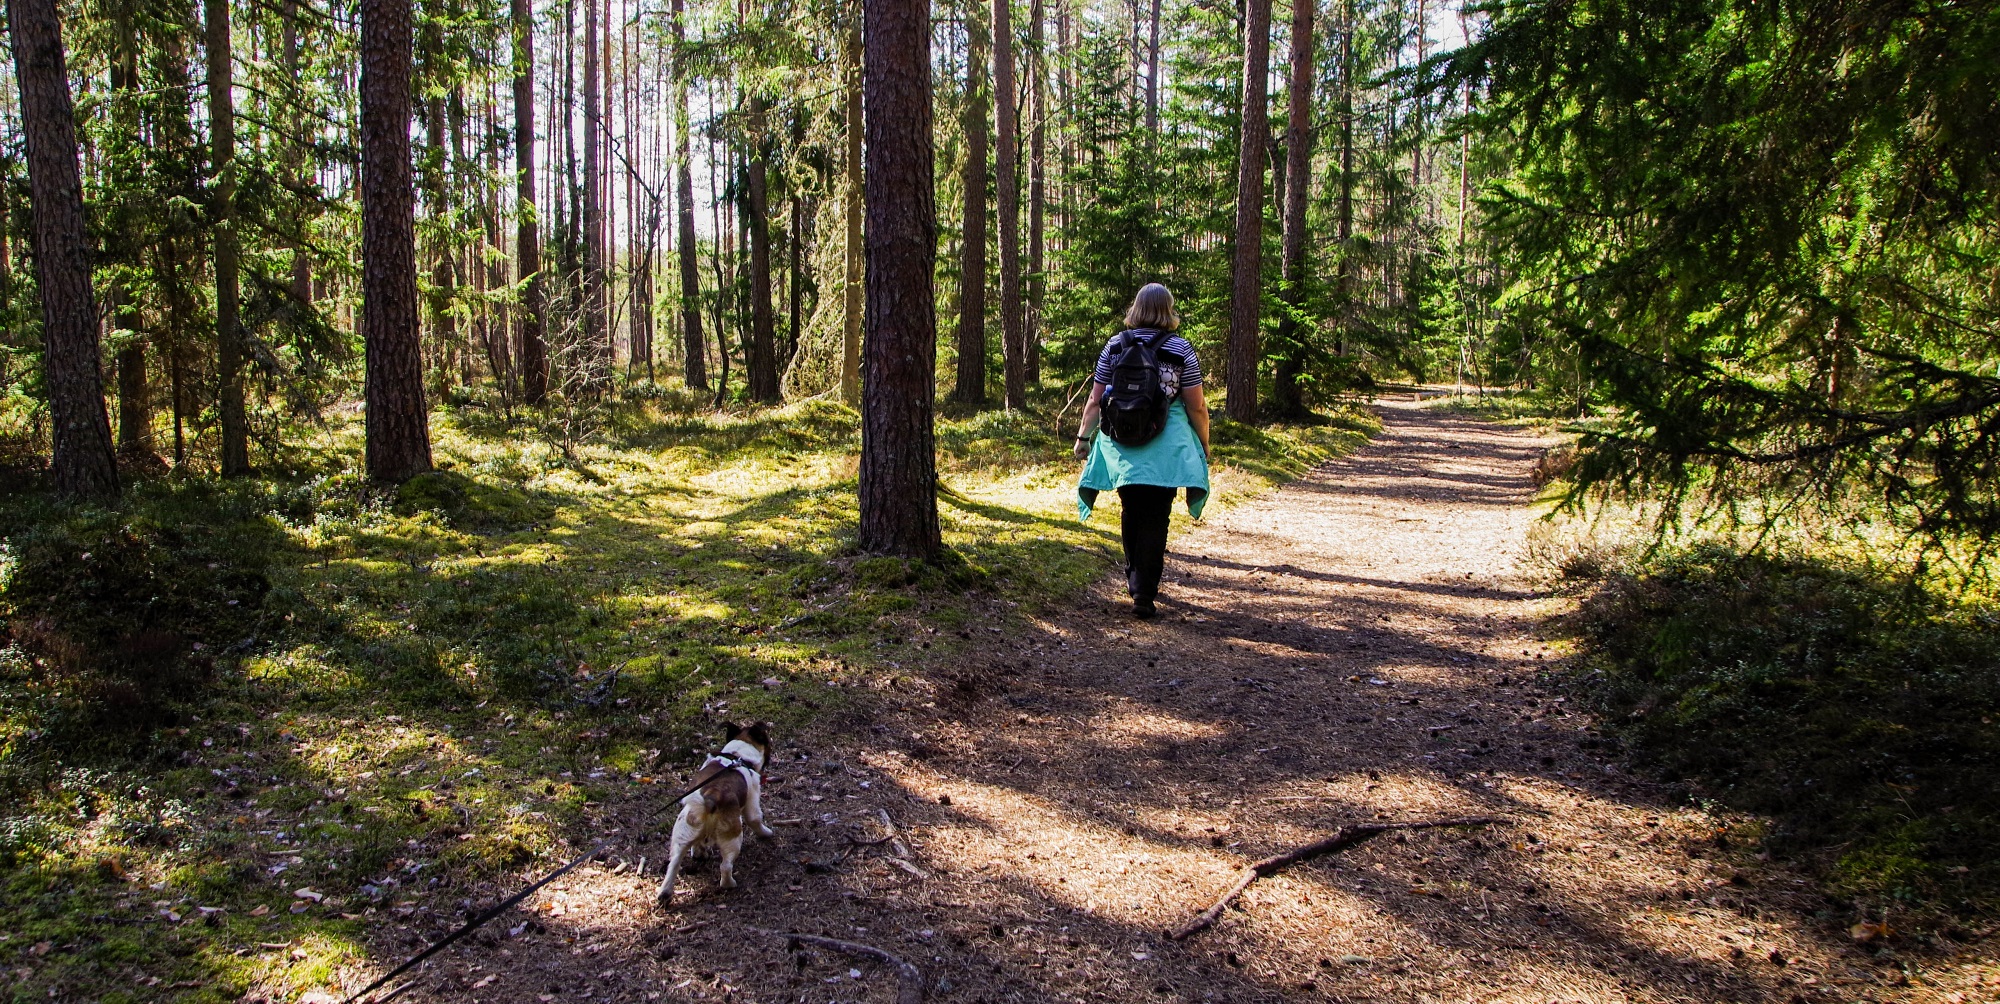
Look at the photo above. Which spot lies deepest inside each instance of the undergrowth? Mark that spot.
(1854, 708)
(244, 723)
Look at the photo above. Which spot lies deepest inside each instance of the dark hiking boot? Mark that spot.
(1143, 609)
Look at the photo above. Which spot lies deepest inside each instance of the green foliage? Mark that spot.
(1858, 711)
(1763, 232)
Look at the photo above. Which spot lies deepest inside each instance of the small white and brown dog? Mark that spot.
(718, 810)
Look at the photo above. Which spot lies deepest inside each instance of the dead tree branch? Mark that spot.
(1340, 840)
(908, 977)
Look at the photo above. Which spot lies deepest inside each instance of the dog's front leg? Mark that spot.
(685, 834)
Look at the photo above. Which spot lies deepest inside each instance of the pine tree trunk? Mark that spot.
(1247, 264)
(596, 333)
(794, 298)
(898, 484)
(852, 251)
(84, 467)
(398, 438)
(719, 258)
(534, 364)
(295, 151)
(639, 348)
(1038, 113)
(437, 192)
(175, 259)
(1344, 206)
(1007, 142)
(1153, 71)
(696, 346)
(1285, 389)
(228, 324)
(761, 360)
(135, 406)
(971, 383)
(568, 196)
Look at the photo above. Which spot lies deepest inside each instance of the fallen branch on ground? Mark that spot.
(908, 977)
(895, 839)
(1342, 839)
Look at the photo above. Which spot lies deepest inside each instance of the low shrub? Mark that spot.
(110, 618)
(1855, 710)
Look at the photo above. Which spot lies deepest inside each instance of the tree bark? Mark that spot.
(1285, 390)
(229, 339)
(1038, 113)
(1247, 264)
(175, 259)
(1153, 73)
(796, 246)
(853, 252)
(437, 194)
(696, 372)
(1007, 143)
(898, 483)
(596, 332)
(295, 151)
(534, 364)
(81, 432)
(720, 225)
(971, 383)
(1344, 207)
(760, 364)
(398, 436)
(135, 404)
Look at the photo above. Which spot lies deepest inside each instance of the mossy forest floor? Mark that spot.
(265, 739)
(261, 735)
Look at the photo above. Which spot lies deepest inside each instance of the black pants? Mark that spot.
(1142, 525)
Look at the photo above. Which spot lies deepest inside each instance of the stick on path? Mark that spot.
(1342, 839)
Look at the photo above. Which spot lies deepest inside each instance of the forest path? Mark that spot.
(1358, 645)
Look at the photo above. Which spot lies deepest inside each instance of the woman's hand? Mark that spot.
(1093, 412)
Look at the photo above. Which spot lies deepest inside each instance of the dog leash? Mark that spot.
(509, 903)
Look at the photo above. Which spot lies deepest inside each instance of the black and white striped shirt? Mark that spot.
(1186, 374)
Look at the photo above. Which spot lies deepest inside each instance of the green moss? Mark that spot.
(473, 505)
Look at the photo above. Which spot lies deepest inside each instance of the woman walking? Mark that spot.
(1145, 430)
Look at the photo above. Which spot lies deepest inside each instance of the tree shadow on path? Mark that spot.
(1072, 786)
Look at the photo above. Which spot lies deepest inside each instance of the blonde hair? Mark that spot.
(1153, 307)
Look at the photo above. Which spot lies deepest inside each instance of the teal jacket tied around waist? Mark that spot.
(1172, 459)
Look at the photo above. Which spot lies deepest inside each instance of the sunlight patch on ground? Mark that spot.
(1066, 858)
(1129, 727)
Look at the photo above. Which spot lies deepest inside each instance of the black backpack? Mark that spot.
(1135, 403)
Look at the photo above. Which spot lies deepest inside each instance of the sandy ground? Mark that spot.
(1360, 645)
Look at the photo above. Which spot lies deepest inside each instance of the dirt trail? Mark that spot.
(1358, 645)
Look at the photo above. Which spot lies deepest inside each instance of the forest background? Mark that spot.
(1744, 250)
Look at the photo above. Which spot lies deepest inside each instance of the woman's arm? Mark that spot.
(1093, 412)
(1197, 413)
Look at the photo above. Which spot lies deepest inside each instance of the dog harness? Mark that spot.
(728, 762)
